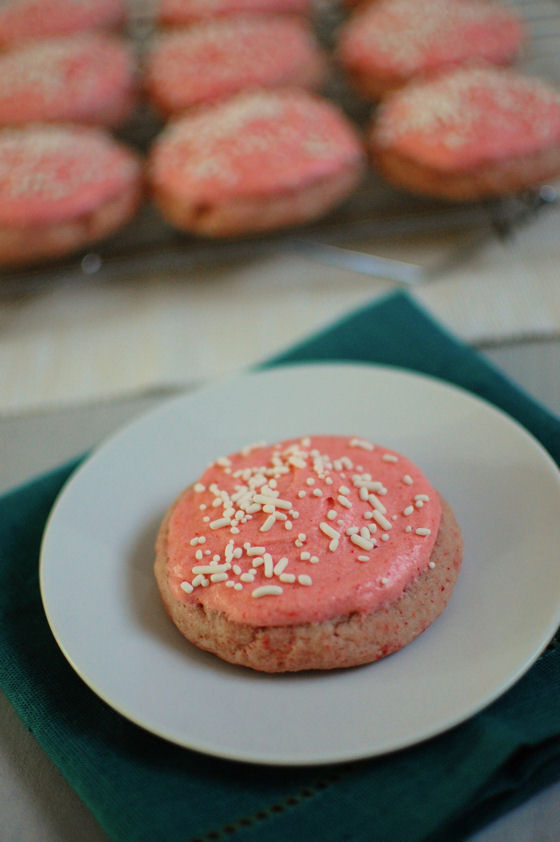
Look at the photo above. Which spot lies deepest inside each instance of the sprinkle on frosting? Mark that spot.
(353, 541)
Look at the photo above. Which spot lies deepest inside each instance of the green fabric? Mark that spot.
(141, 788)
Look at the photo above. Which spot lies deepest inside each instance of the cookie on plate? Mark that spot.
(62, 188)
(256, 162)
(385, 44)
(214, 59)
(476, 132)
(86, 78)
(313, 553)
(25, 20)
(184, 12)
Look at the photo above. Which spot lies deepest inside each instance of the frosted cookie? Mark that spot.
(85, 78)
(386, 44)
(62, 188)
(259, 161)
(315, 553)
(214, 59)
(23, 20)
(184, 12)
(474, 133)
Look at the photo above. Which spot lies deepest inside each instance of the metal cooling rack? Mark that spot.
(374, 212)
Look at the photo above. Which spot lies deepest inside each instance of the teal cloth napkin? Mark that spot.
(142, 788)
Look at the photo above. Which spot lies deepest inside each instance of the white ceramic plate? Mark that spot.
(104, 609)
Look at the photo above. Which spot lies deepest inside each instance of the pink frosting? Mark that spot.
(406, 38)
(214, 59)
(335, 510)
(53, 173)
(186, 11)
(254, 144)
(22, 20)
(470, 117)
(72, 78)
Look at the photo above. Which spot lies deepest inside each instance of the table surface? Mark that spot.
(35, 800)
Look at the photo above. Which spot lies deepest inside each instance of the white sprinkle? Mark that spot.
(288, 525)
(220, 522)
(384, 580)
(344, 501)
(408, 529)
(364, 445)
(238, 552)
(301, 494)
(408, 511)
(247, 577)
(317, 492)
(352, 530)
(304, 579)
(238, 586)
(407, 479)
(302, 536)
(343, 490)
(423, 531)
(423, 497)
(187, 587)
(310, 481)
(230, 583)
(268, 566)
(193, 542)
(280, 566)
(361, 542)
(363, 493)
(218, 577)
(202, 539)
(210, 568)
(305, 556)
(431, 564)
(377, 504)
(328, 530)
(384, 537)
(200, 580)
(314, 559)
(419, 504)
(268, 524)
(254, 550)
(331, 514)
(390, 457)
(363, 558)
(288, 578)
(267, 590)
(199, 555)
(333, 546)
(198, 487)
(381, 519)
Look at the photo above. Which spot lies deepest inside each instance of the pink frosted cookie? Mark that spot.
(384, 45)
(62, 188)
(184, 12)
(313, 553)
(473, 133)
(84, 78)
(214, 59)
(258, 161)
(24, 20)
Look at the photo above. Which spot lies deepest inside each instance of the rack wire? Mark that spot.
(375, 212)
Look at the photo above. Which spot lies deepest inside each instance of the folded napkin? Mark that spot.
(142, 788)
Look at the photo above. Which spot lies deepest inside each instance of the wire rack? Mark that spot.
(375, 212)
